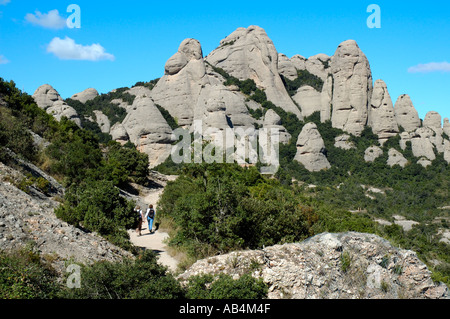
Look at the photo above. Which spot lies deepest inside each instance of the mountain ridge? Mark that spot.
(195, 87)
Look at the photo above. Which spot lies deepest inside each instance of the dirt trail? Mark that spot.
(156, 240)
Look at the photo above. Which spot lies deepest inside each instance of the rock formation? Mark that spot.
(446, 127)
(103, 121)
(343, 141)
(330, 266)
(47, 98)
(308, 99)
(148, 130)
(178, 89)
(273, 120)
(29, 218)
(372, 153)
(311, 149)
(250, 54)
(86, 95)
(381, 116)
(396, 158)
(405, 114)
(352, 89)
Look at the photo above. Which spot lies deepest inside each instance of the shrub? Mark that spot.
(225, 287)
(24, 276)
(141, 278)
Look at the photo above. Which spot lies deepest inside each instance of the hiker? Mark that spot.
(150, 215)
(138, 212)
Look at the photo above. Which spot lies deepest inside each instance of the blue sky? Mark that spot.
(119, 45)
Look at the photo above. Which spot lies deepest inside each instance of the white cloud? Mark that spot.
(67, 49)
(4, 2)
(3, 60)
(430, 67)
(50, 20)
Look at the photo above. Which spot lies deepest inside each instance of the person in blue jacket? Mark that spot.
(150, 215)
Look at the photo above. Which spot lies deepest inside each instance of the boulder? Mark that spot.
(381, 116)
(273, 120)
(343, 142)
(405, 114)
(119, 133)
(308, 99)
(433, 120)
(45, 96)
(372, 153)
(286, 67)
(148, 130)
(60, 109)
(311, 149)
(352, 88)
(422, 146)
(250, 54)
(102, 121)
(86, 95)
(396, 158)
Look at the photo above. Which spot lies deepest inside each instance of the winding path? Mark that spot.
(156, 240)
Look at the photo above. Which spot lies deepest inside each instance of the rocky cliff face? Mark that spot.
(28, 219)
(250, 54)
(330, 266)
(191, 90)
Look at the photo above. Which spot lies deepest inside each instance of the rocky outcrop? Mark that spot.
(446, 127)
(273, 120)
(326, 100)
(343, 142)
(405, 114)
(447, 150)
(29, 219)
(372, 153)
(433, 120)
(308, 99)
(60, 109)
(422, 145)
(148, 130)
(396, 158)
(311, 149)
(330, 266)
(250, 54)
(381, 116)
(119, 133)
(352, 89)
(319, 65)
(86, 95)
(102, 121)
(47, 98)
(286, 67)
(178, 89)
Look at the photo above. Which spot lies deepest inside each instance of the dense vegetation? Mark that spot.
(303, 78)
(217, 208)
(25, 275)
(90, 172)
